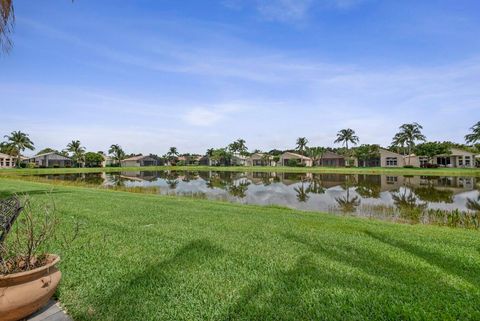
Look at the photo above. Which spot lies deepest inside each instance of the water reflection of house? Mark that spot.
(140, 176)
(455, 184)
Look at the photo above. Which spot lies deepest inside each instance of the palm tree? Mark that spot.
(345, 136)
(409, 134)
(210, 152)
(242, 148)
(398, 141)
(172, 154)
(302, 144)
(17, 142)
(117, 152)
(474, 137)
(75, 147)
(234, 147)
(7, 20)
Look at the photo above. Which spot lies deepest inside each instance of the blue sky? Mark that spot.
(149, 74)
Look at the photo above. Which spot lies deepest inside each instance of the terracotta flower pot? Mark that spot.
(21, 294)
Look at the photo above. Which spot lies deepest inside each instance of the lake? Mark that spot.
(452, 201)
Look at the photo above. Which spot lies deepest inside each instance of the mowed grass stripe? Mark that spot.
(149, 257)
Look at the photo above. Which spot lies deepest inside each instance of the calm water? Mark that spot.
(420, 199)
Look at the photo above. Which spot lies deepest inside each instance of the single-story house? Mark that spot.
(385, 158)
(52, 159)
(205, 161)
(189, 160)
(331, 159)
(7, 161)
(238, 160)
(456, 158)
(259, 159)
(139, 161)
(288, 157)
(108, 161)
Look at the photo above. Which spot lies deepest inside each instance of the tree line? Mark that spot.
(409, 140)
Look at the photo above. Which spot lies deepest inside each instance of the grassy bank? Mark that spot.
(148, 257)
(282, 169)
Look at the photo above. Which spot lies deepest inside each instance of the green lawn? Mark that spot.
(338, 170)
(149, 257)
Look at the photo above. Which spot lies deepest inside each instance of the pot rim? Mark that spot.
(55, 260)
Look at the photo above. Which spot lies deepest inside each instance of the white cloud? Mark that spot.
(202, 116)
(284, 10)
(290, 10)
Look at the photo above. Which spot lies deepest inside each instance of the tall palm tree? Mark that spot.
(474, 137)
(234, 147)
(302, 144)
(17, 142)
(172, 155)
(346, 136)
(117, 152)
(398, 141)
(75, 147)
(210, 152)
(172, 152)
(409, 134)
(7, 20)
(242, 148)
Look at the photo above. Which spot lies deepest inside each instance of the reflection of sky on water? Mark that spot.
(282, 194)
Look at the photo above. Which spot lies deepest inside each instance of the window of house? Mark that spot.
(468, 161)
(444, 161)
(423, 161)
(392, 161)
(460, 161)
(391, 179)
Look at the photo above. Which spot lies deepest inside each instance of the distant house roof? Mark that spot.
(2, 155)
(138, 158)
(57, 156)
(295, 155)
(388, 152)
(328, 154)
(257, 156)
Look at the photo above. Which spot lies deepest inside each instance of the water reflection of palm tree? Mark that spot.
(407, 203)
(172, 183)
(117, 180)
(238, 189)
(302, 193)
(315, 187)
(368, 187)
(473, 204)
(346, 203)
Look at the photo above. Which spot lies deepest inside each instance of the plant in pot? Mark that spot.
(28, 272)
